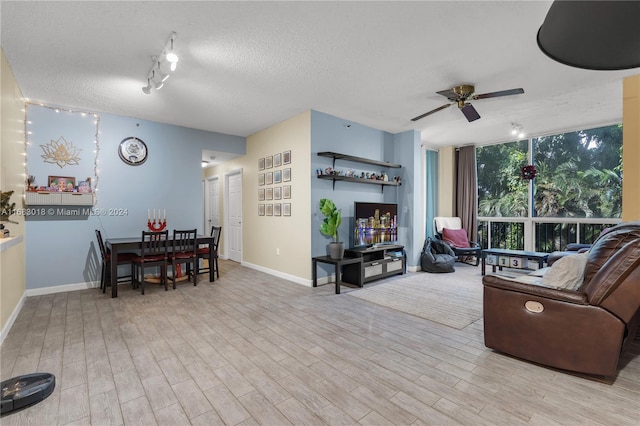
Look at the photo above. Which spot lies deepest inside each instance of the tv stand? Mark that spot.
(378, 261)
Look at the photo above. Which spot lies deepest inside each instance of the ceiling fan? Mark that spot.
(466, 92)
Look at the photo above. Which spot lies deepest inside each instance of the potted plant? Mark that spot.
(6, 209)
(330, 226)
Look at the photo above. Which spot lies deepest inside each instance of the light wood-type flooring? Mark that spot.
(254, 349)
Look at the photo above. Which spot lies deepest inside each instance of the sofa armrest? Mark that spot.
(535, 290)
(577, 247)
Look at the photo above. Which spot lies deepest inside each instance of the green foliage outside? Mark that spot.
(579, 175)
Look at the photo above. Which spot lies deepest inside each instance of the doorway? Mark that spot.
(211, 203)
(233, 215)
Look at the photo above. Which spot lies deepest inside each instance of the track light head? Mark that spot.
(147, 89)
(171, 56)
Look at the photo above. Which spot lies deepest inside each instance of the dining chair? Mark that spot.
(183, 251)
(153, 253)
(105, 273)
(203, 253)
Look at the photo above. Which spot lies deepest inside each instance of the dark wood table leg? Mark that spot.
(338, 277)
(114, 271)
(212, 277)
(484, 266)
(314, 265)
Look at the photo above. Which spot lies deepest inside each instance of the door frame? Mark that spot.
(227, 175)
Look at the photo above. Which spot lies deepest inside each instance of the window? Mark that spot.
(576, 193)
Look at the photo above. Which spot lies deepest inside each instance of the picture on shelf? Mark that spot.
(268, 162)
(260, 209)
(286, 191)
(261, 164)
(277, 176)
(277, 209)
(269, 178)
(269, 194)
(269, 209)
(61, 183)
(277, 193)
(286, 209)
(261, 179)
(286, 157)
(286, 175)
(84, 186)
(277, 160)
(260, 194)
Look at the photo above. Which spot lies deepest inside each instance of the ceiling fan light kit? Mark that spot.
(461, 94)
(593, 35)
(156, 77)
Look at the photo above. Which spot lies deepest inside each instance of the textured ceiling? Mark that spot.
(247, 65)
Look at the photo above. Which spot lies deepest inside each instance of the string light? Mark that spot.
(96, 122)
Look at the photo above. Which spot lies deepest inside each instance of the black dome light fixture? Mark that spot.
(593, 35)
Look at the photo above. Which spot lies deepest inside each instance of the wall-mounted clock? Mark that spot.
(133, 151)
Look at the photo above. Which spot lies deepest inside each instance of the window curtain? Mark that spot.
(431, 187)
(467, 191)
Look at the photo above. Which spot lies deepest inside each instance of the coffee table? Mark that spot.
(512, 258)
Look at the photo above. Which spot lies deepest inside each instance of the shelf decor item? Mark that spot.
(330, 226)
(156, 225)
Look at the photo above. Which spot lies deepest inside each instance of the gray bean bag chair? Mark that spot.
(437, 256)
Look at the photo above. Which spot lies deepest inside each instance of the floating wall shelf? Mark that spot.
(58, 199)
(335, 156)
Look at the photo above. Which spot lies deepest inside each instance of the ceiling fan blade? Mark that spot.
(470, 112)
(430, 112)
(498, 94)
(449, 94)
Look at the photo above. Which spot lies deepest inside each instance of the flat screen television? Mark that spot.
(375, 223)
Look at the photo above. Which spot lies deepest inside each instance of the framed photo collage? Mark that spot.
(274, 185)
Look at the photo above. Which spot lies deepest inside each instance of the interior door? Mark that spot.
(212, 204)
(234, 213)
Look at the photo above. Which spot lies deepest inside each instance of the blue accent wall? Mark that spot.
(63, 250)
(330, 133)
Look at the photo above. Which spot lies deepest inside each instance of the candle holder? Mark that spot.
(156, 225)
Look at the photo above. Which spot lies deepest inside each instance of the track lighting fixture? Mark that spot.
(166, 59)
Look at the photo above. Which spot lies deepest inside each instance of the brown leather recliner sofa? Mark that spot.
(583, 330)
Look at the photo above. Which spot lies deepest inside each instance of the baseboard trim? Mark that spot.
(61, 288)
(12, 318)
(278, 274)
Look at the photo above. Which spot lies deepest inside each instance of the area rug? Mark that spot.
(452, 299)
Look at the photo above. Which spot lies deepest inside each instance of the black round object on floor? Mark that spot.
(22, 391)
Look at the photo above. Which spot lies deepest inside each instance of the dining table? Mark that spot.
(119, 245)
